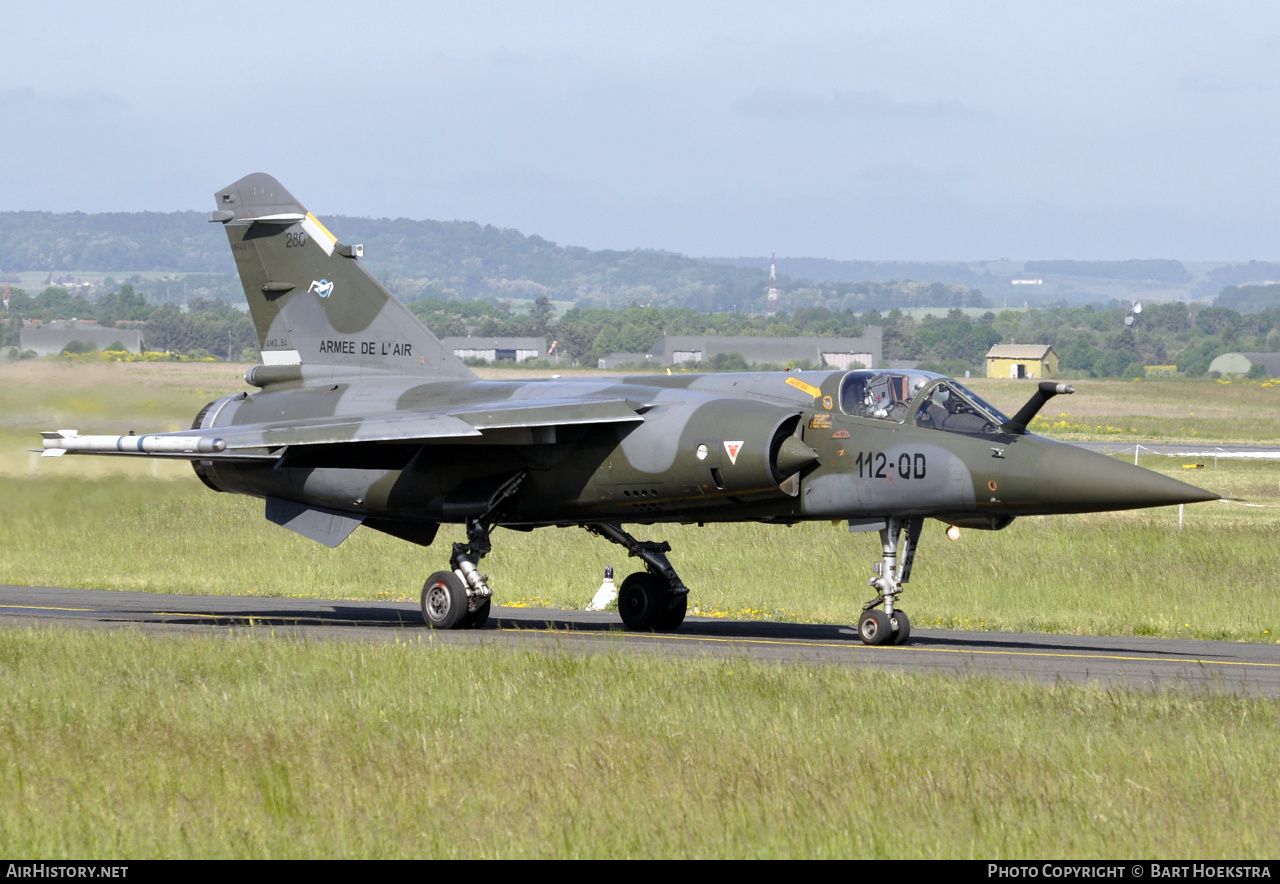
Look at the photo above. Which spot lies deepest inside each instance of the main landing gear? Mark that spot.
(460, 598)
(898, 551)
(655, 599)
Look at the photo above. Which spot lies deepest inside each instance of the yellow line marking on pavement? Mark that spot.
(1102, 657)
(244, 617)
(1010, 653)
(302, 619)
(723, 640)
(189, 614)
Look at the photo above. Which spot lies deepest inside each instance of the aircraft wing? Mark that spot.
(267, 441)
(550, 413)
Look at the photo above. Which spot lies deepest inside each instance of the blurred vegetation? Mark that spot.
(1157, 269)
(464, 278)
(113, 241)
(441, 260)
(1090, 341)
(1250, 298)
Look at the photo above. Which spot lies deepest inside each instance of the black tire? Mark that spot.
(873, 628)
(478, 618)
(673, 616)
(901, 627)
(642, 601)
(444, 600)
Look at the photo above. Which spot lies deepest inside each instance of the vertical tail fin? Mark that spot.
(311, 300)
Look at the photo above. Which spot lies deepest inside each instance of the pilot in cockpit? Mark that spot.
(887, 397)
(936, 408)
(945, 409)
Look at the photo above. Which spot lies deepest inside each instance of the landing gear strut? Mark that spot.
(460, 598)
(655, 599)
(898, 551)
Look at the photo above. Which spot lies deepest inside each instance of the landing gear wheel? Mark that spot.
(874, 628)
(673, 616)
(901, 627)
(642, 601)
(444, 600)
(478, 618)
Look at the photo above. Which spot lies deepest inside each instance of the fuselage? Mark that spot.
(710, 448)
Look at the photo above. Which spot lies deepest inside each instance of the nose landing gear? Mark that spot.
(898, 551)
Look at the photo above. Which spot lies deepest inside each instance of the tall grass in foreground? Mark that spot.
(1120, 573)
(122, 745)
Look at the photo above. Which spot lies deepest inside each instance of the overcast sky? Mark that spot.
(857, 131)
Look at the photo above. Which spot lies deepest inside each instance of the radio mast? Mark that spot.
(772, 306)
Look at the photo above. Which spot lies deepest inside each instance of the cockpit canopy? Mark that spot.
(921, 397)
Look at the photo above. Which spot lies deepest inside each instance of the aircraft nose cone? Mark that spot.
(1075, 480)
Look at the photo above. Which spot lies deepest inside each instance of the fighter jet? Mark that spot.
(361, 418)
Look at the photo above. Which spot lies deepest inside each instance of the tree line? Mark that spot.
(1094, 341)
(441, 260)
(1089, 340)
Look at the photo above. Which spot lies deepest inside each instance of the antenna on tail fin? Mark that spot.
(311, 300)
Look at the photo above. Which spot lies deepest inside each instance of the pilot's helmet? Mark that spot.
(917, 384)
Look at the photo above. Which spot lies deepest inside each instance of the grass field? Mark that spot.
(1170, 410)
(118, 745)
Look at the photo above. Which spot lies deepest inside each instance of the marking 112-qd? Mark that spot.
(878, 465)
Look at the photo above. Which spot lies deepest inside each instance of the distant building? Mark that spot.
(1240, 363)
(864, 352)
(52, 337)
(613, 360)
(1036, 361)
(497, 349)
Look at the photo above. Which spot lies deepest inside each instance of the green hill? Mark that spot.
(435, 260)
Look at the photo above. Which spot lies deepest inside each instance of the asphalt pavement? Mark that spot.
(1225, 667)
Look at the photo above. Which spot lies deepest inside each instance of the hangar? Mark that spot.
(52, 337)
(1241, 363)
(496, 349)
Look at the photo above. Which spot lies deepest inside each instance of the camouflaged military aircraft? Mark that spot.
(362, 418)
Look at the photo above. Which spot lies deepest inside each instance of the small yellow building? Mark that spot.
(1036, 361)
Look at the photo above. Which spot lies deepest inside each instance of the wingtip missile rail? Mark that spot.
(59, 442)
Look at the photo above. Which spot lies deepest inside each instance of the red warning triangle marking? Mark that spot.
(733, 448)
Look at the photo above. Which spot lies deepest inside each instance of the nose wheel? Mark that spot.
(890, 626)
(878, 628)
